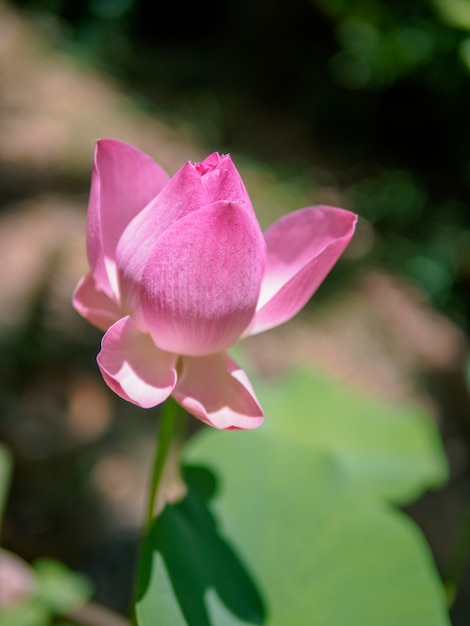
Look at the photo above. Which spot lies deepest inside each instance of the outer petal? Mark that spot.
(201, 282)
(302, 248)
(215, 389)
(95, 306)
(124, 180)
(134, 367)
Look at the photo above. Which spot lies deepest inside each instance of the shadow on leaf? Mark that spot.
(185, 549)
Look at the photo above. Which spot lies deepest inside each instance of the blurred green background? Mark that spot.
(372, 96)
(357, 103)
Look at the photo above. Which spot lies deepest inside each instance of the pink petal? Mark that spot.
(134, 367)
(201, 282)
(95, 306)
(302, 248)
(181, 196)
(194, 186)
(215, 390)
(124, 180)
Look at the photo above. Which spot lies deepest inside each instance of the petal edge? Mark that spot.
(217, 391)
(133, 367)
(302, 248)
(124, 180)
(94, 305)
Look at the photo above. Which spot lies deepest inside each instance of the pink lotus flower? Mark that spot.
(180, 270)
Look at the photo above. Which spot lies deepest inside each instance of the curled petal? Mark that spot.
(134, 367)
(124, 180)
(215, 390)
(302, 248)
(201, 282)
(94, 305)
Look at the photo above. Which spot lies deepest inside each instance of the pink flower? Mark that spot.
(180, 270)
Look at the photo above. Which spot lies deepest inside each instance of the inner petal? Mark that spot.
(202, 280)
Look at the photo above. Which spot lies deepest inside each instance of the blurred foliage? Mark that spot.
(56, 591)
(41, 591)
(375, 93)
(330, 464)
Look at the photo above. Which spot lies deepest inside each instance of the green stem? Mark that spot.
(458, 559)
(168, 418)
(169, 432)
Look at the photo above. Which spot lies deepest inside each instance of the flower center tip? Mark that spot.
(210, 163)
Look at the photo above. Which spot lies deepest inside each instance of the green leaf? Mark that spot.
(394, 449)
(186, 559)
(454, 12)
(60, 589)
(31, 612)
(297, 515)
(325, 552)
(5, 471)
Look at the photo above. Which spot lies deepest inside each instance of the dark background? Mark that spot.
(374, 93)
